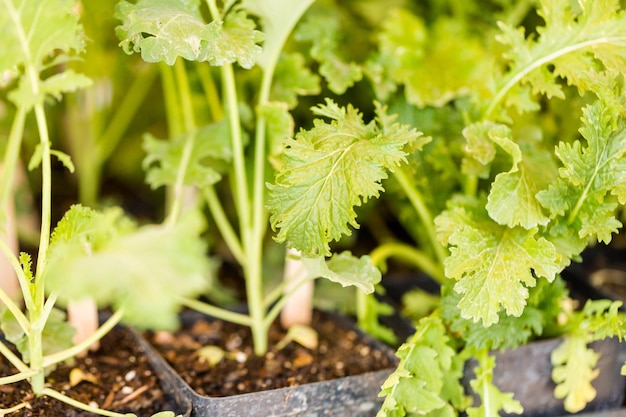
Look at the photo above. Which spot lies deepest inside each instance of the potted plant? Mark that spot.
(524, 106)
(39, 41)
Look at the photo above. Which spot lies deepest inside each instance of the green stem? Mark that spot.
(105, 328)
(16, 378)
(189, 127)
(8, 302)
(417, 201)
(210, 91)
(80, 405)
(15, 361)
(239, 163)
(5, 411)
(217, 312)
(172, 106)
(408, 254)
(35, 342)
(224, 226)
(11, 156)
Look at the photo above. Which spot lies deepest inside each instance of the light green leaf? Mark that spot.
(35, 159)
(211, 148)
(35, 31)
(329, 170)
(345, 269)
(592, 178)
(163, 30)
(278, 18)
(34, 43)
(492, 399)
(143, 270)
(280, 127)
(516, 189)
(323, 30)
(27, 96)
(575, 39)
(417, 384)
(573, 370)
(434, 64)
(293, 78)
(494, 265)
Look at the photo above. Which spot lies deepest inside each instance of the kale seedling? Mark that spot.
(247, 137)
(104, 255)
(508, 192)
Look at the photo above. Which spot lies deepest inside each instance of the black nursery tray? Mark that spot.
(348, 396)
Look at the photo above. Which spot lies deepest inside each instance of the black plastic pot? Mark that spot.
(351, 396)
(177, 398)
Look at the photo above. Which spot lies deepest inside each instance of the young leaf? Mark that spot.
(591, 177)
(143, 270)
(211, 147)
(322, 30)
(434, 64)
(292, 79)
(329, 170)
(573, 41)
(345, 269)
(492, 399)
(30, 41)
(56, 336)
(163, 30)
(573, 372)
(417, 384)
(494, 265)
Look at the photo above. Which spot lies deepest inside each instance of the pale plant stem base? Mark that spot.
(83, 316)
(8, 233)
(298, 309)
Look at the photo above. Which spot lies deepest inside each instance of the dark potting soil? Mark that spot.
(341, 352)
(116, 377)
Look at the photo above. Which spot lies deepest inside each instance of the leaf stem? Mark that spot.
(105, 328)
(8, 302)
(80, 405)
(408, 254)
(189, 127)
(217, 312)
(5, 411)
(11, 156)
(15, 361)
(417, 201)
(16, 378)
(224, 226)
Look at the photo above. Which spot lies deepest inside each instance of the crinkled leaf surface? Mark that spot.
(417, 387)
(345, 269)
(573, 372)
(163, 30)
(143, 270)
(323, 30)
(576, 39)
(330, 169)
(434, 64)
(494, 265)
(592, 178)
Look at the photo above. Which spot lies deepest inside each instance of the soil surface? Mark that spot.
(117, 377)
(341, 351)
